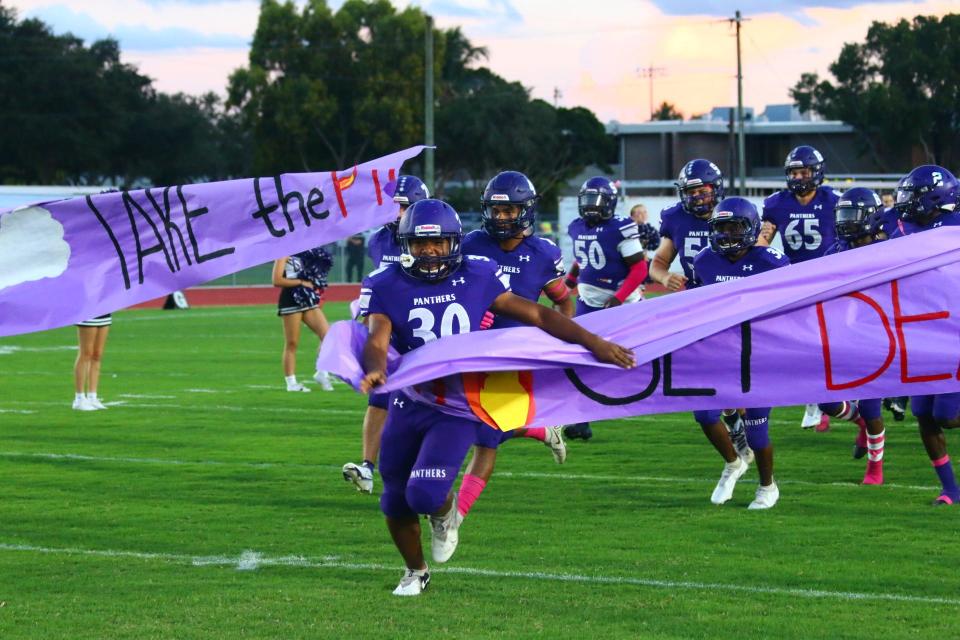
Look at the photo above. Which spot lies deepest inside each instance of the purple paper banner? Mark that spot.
(872, 322)
(66, 261)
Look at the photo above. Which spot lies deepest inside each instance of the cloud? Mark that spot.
(753, 7)
(492, 12)
(31, 246)
(134, 37)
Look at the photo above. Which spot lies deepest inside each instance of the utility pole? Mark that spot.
(741, 144)
(557, 94)
(428, 170)
(651, 72)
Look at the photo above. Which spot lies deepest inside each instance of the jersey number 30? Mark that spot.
(454, 320)
(592, 255)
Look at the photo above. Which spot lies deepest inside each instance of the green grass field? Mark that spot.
(208, 503)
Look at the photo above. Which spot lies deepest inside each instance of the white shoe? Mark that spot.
(95, 403)
(412, 583)
(323, 379)
(360, 476)
(766, 497)
(558, 447)
(298, 387)
(811, 416)
(82, 404)
(732, 471)
(445, 533)
(739, 439)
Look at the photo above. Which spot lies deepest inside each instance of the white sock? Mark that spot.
(79, 397)
(92, 396)
(291, 380)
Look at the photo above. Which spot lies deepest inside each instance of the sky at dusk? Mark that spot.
(588, 51)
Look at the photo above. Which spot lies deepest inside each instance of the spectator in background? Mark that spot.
(887, 199)
(649, 236)
(356, 250)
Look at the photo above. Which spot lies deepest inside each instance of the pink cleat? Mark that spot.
(824, 425)
(874, 474)
(860, 444)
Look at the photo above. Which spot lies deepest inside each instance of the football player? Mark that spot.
(927, 198)
(609, 264)
(803, 215)
(733, 253)
(858, 222)
(684, 232)
(530, 264)
(383, 249)
(435, 291)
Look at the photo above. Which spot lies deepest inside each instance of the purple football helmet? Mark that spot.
(430, 219)
(409, 189)
(734, 226)
(695, 174)
(800, 157)
(508, 187)
(597, 200)
(926, 192)
(857, 213)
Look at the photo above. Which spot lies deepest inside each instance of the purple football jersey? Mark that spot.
(807, 230)
(422, 311)
(709, 267)
(688, 233)
(600, 250)
(527, 269)
(888, 221)
(383, 248)
(906, 228)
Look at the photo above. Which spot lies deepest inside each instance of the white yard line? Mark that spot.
(252, 560)
(537, 475)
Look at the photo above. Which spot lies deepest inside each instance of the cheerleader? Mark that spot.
(302, 278)
(92, 336)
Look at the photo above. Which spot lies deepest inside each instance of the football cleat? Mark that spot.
(766, 497)
(323, 379)
(445, 533)
(898, 410)
(811, 416)
(943, 501)
(860, 445)
(739, 439)
(360, 476)
(558, 447)
(874, 474)
(732, 472)
(413, 583)
(824, 425)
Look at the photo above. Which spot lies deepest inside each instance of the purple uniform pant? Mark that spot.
(869, 409)
(492, 438)
(421, 452)
(941, 407)
(583, 308)
(756, 424)
(378, 400)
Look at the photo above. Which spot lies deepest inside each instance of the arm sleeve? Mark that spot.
(636, 276)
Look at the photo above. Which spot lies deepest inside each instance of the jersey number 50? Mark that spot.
(454, 320)
(592, 255)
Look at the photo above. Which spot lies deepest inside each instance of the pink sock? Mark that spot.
(849, 412)
(470, 489)
(537, 433)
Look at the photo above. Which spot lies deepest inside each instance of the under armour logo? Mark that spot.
(524, 258)
(457, 281)
(817, 206)
(937, 224)
(748, 267)
(398, 402)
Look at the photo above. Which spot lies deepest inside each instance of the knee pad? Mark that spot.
(707, 418)
(393, 503)
(426, 497)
